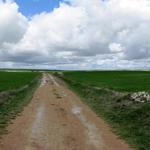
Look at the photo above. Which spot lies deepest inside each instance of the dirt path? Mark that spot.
(56, 119)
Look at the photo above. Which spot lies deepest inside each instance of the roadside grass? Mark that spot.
(129, 119)
(16, 101)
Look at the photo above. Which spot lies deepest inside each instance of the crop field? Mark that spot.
(129, 119)
(13, 97)
(117, 80)
(15, 80)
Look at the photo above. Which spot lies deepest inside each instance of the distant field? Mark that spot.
(15, 80)
(118, 80)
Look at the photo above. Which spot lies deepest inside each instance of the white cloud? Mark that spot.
(115, 47)
(81, 34)
(13, 24)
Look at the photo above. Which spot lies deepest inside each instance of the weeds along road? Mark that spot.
(56, 119)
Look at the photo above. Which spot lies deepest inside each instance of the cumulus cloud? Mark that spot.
(79, 34)
(13, 24)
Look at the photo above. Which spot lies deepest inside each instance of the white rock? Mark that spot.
(140, 97)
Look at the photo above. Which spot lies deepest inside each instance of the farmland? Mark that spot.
(108, 94)
(15, 80)
(116, 80)
(16, 90)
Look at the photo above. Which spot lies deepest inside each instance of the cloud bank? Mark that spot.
(80, 34)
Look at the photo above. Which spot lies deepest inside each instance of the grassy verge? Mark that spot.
(11, 107)
(130, 120)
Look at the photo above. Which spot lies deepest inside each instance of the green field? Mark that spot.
(16, 90)
(15, 80)
(117, 80)
(129, 119)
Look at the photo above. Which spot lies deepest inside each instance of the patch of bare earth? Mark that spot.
(56, 119)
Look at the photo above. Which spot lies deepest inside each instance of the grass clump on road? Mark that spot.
(129, 119)
(16, 95)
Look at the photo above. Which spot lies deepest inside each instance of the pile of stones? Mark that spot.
(140, 97)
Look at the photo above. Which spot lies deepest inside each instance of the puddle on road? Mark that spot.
(38, 134)
(92, 132)
(53, 80)
(76, 110)
(44, 80)
(37, 124)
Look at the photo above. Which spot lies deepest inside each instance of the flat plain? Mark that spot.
(130, 81)
(15, 80)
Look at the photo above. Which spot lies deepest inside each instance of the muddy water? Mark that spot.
(91, 130)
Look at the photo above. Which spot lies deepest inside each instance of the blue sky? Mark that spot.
(31, 7)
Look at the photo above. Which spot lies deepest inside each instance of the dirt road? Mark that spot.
(56, 119)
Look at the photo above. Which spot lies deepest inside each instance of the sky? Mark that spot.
(33, 7)
(75, 34)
